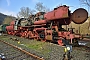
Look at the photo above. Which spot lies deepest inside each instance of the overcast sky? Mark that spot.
(12, 7)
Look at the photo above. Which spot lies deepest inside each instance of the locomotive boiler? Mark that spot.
(48, 26)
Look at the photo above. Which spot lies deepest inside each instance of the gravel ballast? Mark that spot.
(46, 50)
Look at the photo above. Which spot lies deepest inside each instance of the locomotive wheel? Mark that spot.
(13, 33)
(60, 42)
(8, 32)
(43, 40)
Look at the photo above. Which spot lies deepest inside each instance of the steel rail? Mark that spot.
(28, 53)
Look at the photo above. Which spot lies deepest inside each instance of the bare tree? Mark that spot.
(25, 12)
(41, 8)
(46, 9)
(18, 16)
(85, 2)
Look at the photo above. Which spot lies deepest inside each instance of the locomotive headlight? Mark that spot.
(69, 48)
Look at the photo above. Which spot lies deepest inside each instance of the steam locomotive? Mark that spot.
(48, 26)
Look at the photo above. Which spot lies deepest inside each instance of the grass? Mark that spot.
(38, 46)
(35, 46)
(41, 47)
(3, 37)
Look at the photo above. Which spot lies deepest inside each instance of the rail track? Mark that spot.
(12, 52)
(83, 48)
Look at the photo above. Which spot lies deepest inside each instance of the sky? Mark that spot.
(12, 7)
